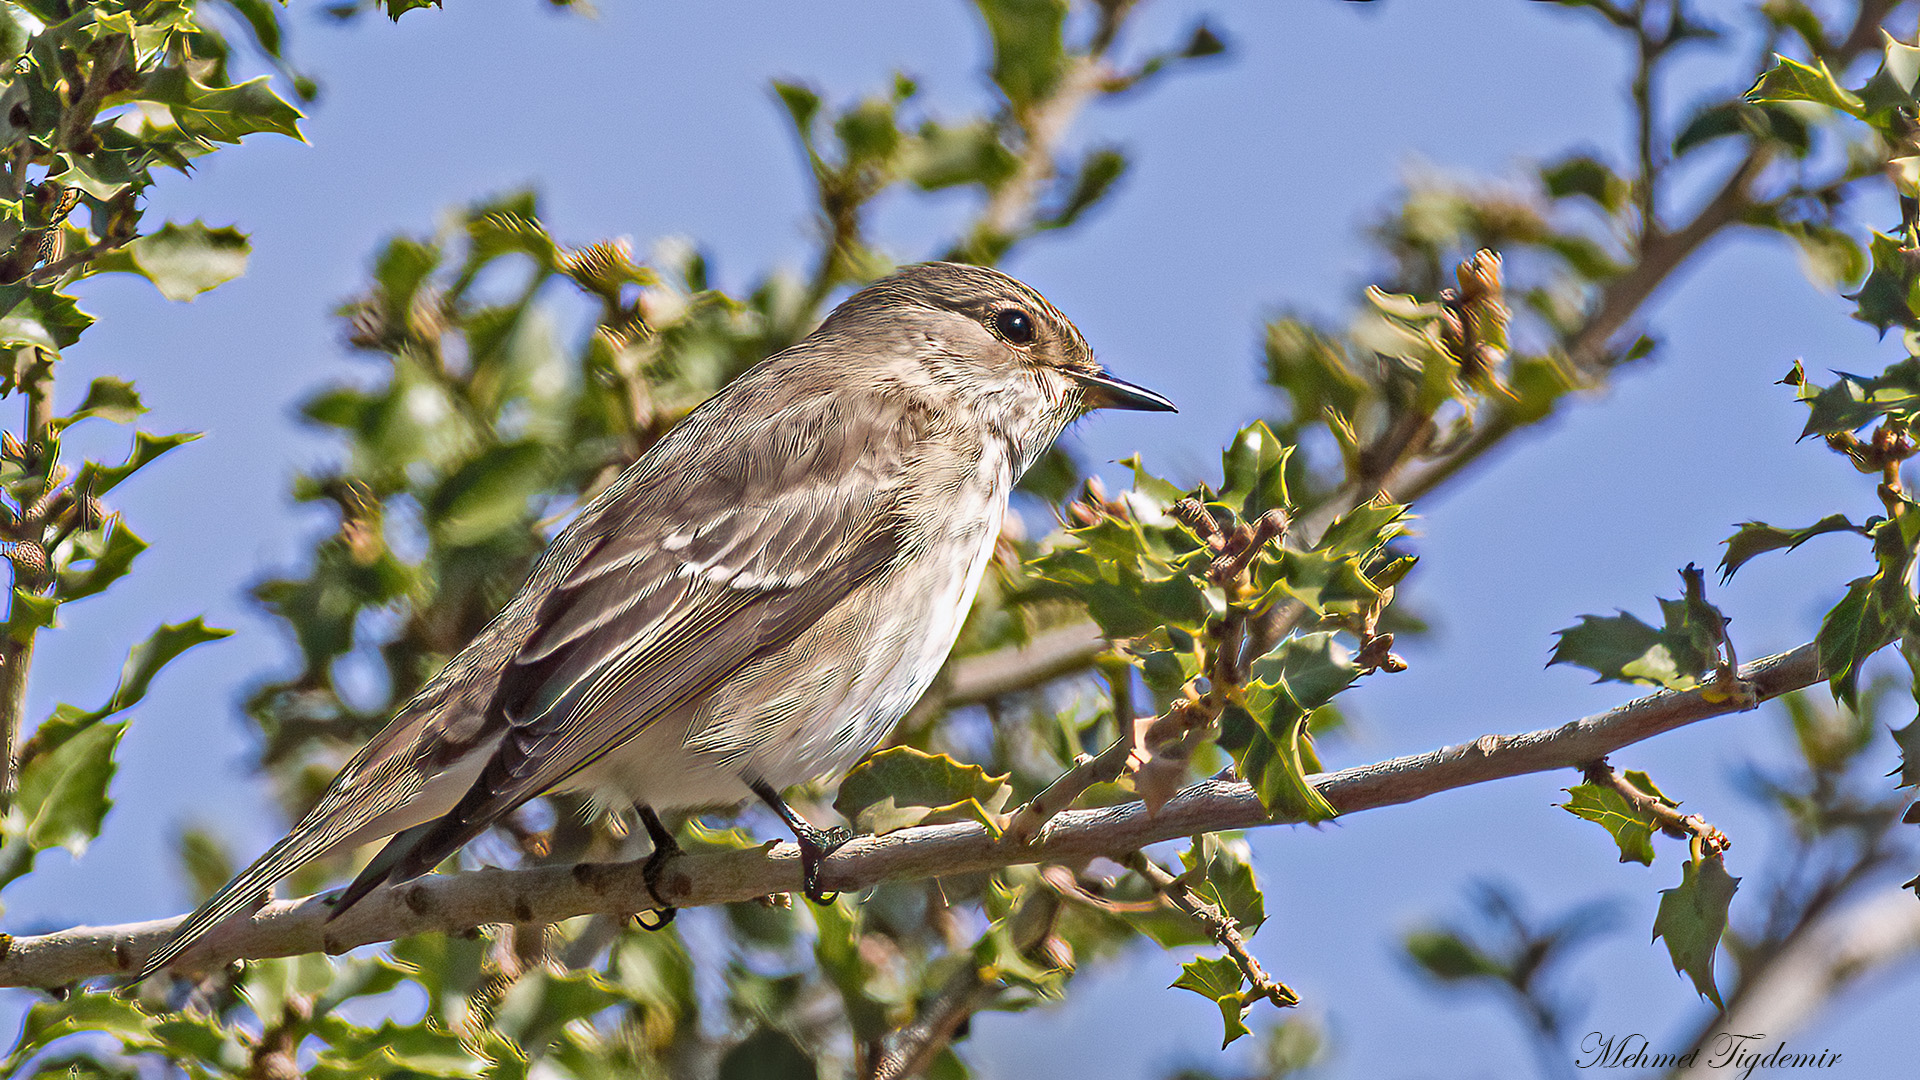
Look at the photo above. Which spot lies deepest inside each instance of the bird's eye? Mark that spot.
(1014, 325)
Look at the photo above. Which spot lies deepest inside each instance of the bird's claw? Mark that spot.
(814, 848)
(665, 849)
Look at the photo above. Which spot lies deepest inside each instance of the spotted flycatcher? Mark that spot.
(752, 605)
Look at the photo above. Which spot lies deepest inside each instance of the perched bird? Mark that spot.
(752, 605)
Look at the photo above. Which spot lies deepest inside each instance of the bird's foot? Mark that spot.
(815, 846)
(815, 843)
(665, 850)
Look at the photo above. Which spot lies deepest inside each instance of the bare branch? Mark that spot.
(456, 902)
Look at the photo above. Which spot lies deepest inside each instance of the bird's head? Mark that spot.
(982, 335)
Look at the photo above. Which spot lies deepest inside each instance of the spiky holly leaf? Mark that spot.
(1220, 871)
(901, 787)
(1908, 739)
(107, 398)
(1856, 628)
(1631, 829)
(1884, 300)
(1219, 980)
(1268, 736)
(1854, 401)
(1790, 80)
(1692, 917)
(1621, 648)
(182, 261)
(100, 479)
(1892, 87)
(1254, 472)
(221, 114)
(1757, 538)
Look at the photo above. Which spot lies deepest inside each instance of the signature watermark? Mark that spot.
(1740, 1053)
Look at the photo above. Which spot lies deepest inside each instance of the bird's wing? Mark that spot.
(793, 475)
(725, 549)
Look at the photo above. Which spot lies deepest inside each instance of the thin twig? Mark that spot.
(1671, 820)
(1223, 928)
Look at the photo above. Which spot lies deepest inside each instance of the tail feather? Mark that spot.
(382, 868)
(289, 854)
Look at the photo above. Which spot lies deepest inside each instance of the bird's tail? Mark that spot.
(382, 867)
(296, 849)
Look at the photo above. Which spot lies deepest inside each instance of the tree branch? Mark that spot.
(456, 902)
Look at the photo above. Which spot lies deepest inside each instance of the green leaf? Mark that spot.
(100, 479)
(221, 114)
(490, 493)
(836, 947)
(1854, 401)
(768, 1054)
(1254, 472)
(508, 225)
(1892, 86)
(184, 261)
(1765, 123)
(1630, 829)
(423, 1049)
(1449, 958)
(30, 612)
(93, 560)
(1218, 979)
(62, 798)
(1908, 740)
(941, 156)
(205, 859)
(48, 1022)
(1757, 538)
(900, 787)
(1098, 172)
(1587, 176)
(1220, 871)
(1885, 299)
(540, 1004)
(1029, 51)
(107, 398)
(1268, 737)
(1618, 648)
(1791, 80)
(67, 765)
(1621, 648)
(37, 315)
(1853, 630)
(145, 660)
(1692, 917)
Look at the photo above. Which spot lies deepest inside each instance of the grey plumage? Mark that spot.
(756, 601)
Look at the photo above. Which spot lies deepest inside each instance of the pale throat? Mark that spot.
(1025, 412)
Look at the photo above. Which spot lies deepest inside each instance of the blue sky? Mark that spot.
(1253, 178)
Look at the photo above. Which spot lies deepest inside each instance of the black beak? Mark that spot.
(1106, 392)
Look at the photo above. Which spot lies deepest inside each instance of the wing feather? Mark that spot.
(738, 554)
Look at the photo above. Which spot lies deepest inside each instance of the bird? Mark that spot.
(751, 605)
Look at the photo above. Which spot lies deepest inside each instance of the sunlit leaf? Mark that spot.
(1219, 980)
(1692, 917)
(901, 787)
(1630, 829)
